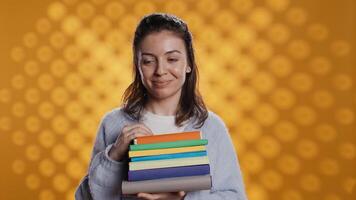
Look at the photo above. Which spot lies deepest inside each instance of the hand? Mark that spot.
(162, 196)
(128, 133)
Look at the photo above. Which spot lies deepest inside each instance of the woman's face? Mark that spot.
(163, 65)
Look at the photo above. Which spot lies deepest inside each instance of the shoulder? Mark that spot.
(115, 115)
(214, 120)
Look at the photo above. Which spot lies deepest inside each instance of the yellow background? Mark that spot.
(281, 73)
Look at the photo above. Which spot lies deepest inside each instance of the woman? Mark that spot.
(162, 98)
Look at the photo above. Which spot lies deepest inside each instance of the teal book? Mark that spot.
(166, 145)
(169, 156)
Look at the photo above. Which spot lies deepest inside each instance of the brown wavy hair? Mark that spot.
(135, 96)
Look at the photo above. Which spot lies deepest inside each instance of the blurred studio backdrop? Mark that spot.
(281, 74)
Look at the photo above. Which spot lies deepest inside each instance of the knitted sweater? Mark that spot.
(104, 178)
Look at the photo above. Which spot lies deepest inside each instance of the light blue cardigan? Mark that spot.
(105, 175)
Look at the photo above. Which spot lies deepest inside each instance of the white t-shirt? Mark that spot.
(161, 124)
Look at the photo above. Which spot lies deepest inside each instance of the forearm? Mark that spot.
(105, 176)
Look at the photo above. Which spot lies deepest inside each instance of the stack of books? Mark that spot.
(168, 163)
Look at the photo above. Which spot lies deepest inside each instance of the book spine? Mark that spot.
(150, 174)
(189, 183)
(163, 145)
(166, 151)
(194, 135)
(169, 156)
(176, 162)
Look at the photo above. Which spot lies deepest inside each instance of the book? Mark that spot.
(166, 151)
(163, 145)
(186, 183)
(169, 156)
(170, 137)
(176, 162)
(150, 174)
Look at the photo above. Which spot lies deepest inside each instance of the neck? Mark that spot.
(166, 106)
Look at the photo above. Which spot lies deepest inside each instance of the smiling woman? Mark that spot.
(162, 98)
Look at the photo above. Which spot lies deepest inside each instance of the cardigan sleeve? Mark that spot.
(227, 181)
(105, 175)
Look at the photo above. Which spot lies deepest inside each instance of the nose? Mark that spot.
(160, 69)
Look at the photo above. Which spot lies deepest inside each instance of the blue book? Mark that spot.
(150, 174)
(169, 156)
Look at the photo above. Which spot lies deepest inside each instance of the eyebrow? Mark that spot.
(168, 52)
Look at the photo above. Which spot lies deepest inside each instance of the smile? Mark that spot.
(160, 84)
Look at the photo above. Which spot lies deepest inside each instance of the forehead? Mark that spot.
(160, 42)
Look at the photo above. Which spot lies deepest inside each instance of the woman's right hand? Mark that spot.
(128, 133)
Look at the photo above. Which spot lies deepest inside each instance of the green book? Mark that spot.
(166, 145)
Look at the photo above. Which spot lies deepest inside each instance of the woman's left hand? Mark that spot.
(162, 196)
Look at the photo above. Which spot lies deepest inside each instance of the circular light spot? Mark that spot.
(347, 150)
(285, 131)
(296, 16)
(271, 180)
(280, 66)
(30, 40)
(304, 115)
(18, 109)
(60, 124)
(277, 5)
(301, 82)
(47, 167)
(33, 152)
(345, 116)
(268, 147)
(18, 166)
(114, 10)
(47, 195)
(31, 68)
(310, 182)
(288, 164)
(342, 82)
(252, 162)
(340, 48)
(19, 138)
(32, 124)
(323, 99)
(60, 153)
(56, 11)
(43, 26)
(283, 98)
(278, 29)
(85, 10)
(249, 129)
(329, 167)
(260, 18)
(32, 181)
(18, 54)
(325, 132)
(46, 110)
(58, 40)
(61, 182)
(5, 95)
(59, 96)
(46, 138)
(263, 82)
(317, 32)
(307, 149)
(299, 49)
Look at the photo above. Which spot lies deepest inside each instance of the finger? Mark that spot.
(130, 127)
(146, 195)
(138, 130)
(181, 193)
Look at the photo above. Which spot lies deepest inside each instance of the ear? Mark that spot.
(188, 69)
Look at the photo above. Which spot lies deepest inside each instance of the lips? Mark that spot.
(160, 84)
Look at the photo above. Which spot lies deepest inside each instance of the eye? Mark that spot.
(172, 59)
(146, 62)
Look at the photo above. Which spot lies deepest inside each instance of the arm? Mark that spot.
(104, 177)
(227, 181)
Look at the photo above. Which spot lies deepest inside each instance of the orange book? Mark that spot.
(170, 137)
